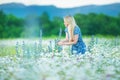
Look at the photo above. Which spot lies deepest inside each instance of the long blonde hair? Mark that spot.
(71, 25)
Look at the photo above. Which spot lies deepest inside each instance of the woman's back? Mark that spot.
(80, 46)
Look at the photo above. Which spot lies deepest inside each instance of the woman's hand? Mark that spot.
(60, 43)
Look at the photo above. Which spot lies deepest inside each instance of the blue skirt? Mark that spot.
(79, 48)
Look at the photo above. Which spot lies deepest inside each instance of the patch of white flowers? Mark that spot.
(102, 63)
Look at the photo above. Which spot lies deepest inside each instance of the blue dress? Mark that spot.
(79, 47)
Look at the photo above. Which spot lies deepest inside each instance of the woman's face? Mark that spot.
(65, 23)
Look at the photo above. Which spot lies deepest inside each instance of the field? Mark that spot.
(27, 59)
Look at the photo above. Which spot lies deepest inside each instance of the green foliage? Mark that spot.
(46, 24)
(10, 26)
(90, 24)
(57, 24)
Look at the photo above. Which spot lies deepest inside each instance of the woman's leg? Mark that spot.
(83, 51)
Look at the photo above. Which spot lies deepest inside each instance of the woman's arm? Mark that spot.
(72, 42)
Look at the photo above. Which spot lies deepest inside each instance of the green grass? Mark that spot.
(54, 37)
(101, 36)
(7, 50)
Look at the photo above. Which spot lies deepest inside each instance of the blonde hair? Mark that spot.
(71, 24)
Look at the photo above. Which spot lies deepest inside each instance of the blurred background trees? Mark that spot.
(90, 24)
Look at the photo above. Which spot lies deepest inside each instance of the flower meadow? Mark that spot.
(45, 60)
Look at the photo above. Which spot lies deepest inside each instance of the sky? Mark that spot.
(62, 3)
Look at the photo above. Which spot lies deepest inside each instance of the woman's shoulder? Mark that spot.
(76, 30)
(77, 27)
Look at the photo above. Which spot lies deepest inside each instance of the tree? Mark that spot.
(45, 24)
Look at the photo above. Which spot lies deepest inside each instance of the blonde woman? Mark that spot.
(73, 36)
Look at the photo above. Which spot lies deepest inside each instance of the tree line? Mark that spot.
(30, 26)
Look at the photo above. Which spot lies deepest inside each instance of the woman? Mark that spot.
(73, 36)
